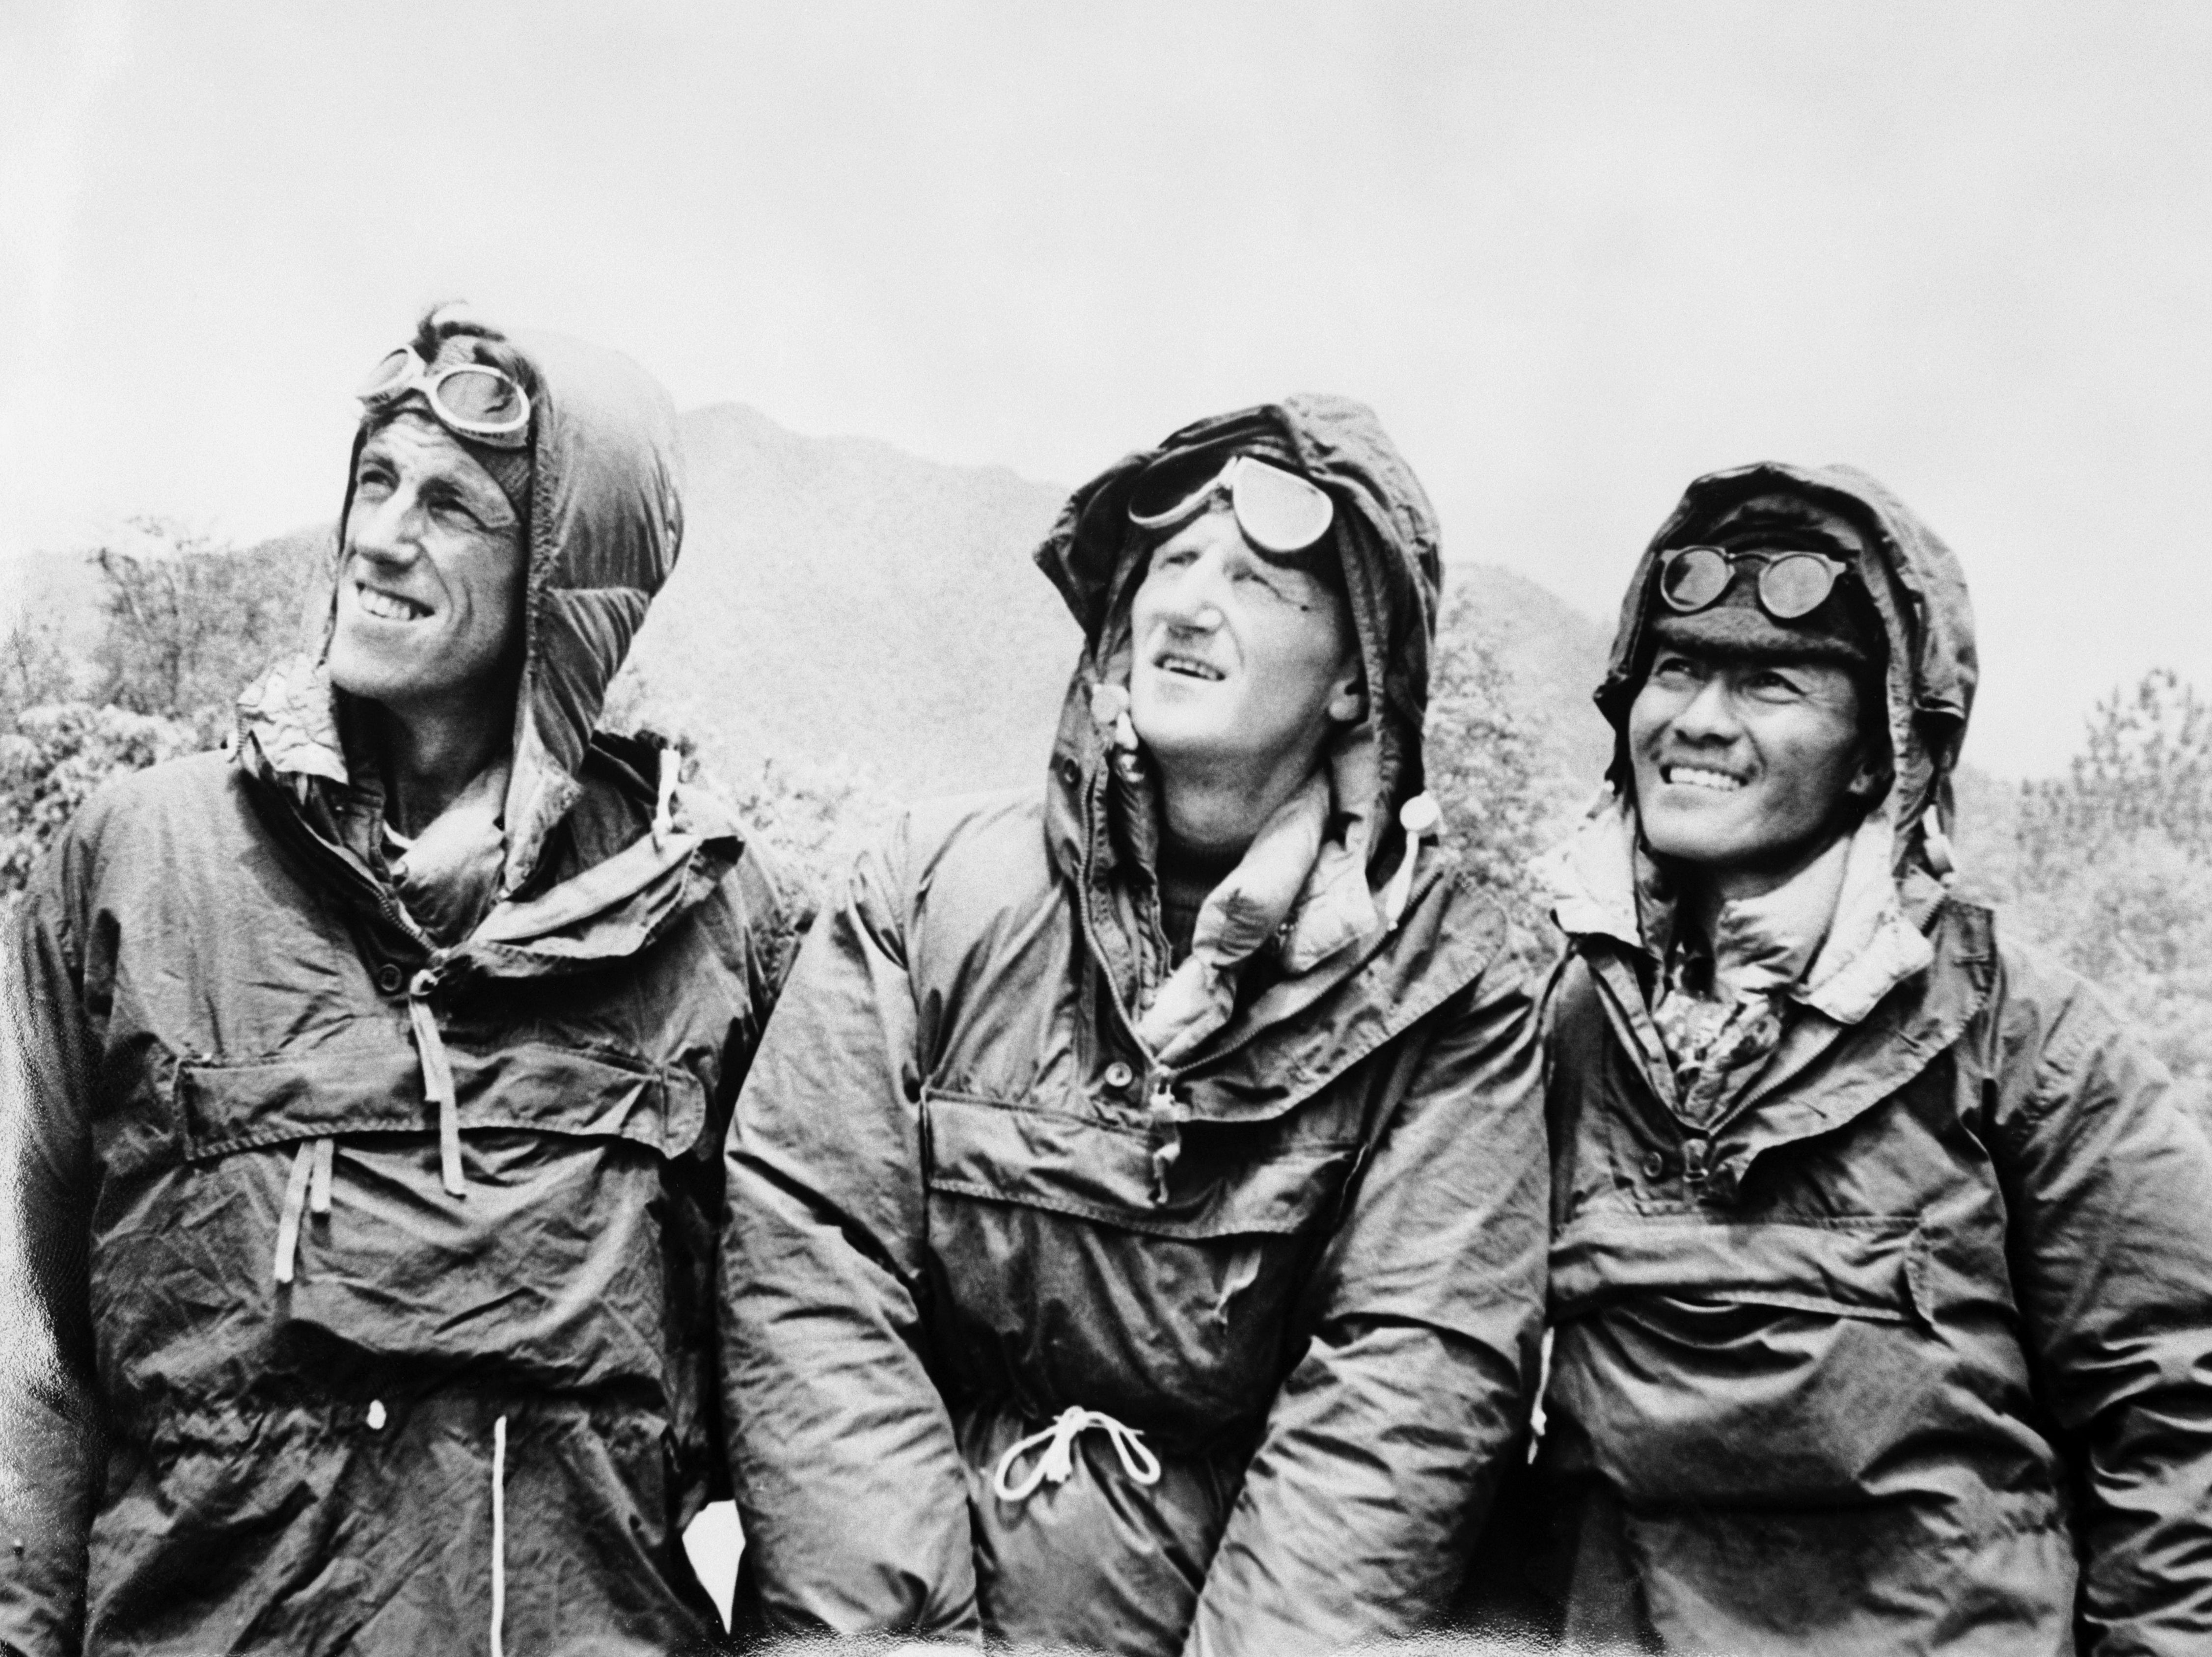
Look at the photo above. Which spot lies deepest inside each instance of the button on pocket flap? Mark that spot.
(1856, 1266)
(377, 1087)
(1103, 1171)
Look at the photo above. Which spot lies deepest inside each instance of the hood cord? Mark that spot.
(1417, 817)
(499, 1538)
(664, 804)
(437, 1079)
(1937, 845)
(1058, 1460)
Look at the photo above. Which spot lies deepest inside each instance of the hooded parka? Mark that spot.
(1902, 1342)
(358, 1289)
(1297, 1273)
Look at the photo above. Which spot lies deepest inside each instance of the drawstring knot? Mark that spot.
(1058, 1460)
(1418, 815)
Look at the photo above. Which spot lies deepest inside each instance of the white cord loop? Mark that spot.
(1418, 815)
(1058, 1460)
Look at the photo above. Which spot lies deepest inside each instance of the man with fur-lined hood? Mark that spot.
(1136, 1229)
(365, 1088)
(1881, 1270)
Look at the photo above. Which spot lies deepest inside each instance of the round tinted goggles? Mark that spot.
(474, 399)
(1277, 511)
(1791, 584)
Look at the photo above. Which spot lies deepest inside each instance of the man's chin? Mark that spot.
(369, 674)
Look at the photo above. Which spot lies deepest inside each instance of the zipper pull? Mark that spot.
(1165, 1115)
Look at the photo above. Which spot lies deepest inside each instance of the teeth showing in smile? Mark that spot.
(389, 606)
(1189, 667)
(1690, 776)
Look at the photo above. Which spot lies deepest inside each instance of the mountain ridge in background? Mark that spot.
(840, 603)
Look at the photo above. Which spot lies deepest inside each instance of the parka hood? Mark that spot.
(1915, 586)
(1386, 537)
(604, 525)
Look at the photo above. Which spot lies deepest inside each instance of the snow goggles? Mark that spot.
(474, 399)
(1277, 511)
(1791, 584)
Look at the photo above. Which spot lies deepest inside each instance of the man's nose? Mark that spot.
(1194, 602)
(384, 531)
(1711, 714)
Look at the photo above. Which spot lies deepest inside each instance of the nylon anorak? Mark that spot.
(1305, 1264)
(1906, 1347)
(273, 1386)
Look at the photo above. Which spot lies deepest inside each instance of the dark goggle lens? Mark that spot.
(1795, 584)
(483, 397)
(1694, 578)
(1165, 488)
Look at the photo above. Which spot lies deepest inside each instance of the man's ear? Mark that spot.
(1870, 778)
(1347, 697)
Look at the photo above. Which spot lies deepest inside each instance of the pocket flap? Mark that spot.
(355, 1088)
(1854, 1266)
(1103, 1171)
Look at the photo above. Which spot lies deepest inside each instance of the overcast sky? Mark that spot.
(1573, 254)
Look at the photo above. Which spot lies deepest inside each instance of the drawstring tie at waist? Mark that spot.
(1058, 1460)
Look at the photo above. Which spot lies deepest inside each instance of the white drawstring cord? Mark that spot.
(1417, 817)
(308, 1188)
(499, 1538)
(295, 1200)
(1058, 1460)
(664, 804)
(437, 1080)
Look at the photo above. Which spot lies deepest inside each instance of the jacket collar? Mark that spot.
(621, 887)
(1848, 951)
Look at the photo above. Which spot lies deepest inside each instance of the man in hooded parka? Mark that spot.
(365, 1088)
(1881, 1274)
(1136, 1237)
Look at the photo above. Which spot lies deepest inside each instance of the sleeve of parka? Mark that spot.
(50, 1419)
(848, 1480)
(2111, 1184)
(1426, 1307)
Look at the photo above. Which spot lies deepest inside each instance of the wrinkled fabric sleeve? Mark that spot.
(50, 1420)
(848, 1480)
(1386, 1441)
(2111, 1184)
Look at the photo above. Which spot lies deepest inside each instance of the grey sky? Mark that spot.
(1573, 254)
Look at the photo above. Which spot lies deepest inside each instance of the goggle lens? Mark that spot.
(1279, 512)
(1795, 584)
(474, 399)
(398, 369)
(1791, 584)
(481, 396)
(1171, 490)
(1694, 578)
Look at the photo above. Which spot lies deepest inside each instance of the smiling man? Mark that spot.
(1881, 1272)
(1136, 1228)
(365, 1089)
